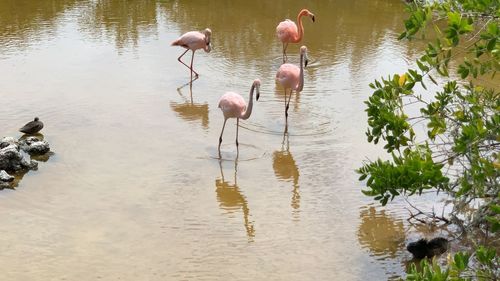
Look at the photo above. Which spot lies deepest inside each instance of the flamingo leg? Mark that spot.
(179, 58)
(283, 52)
(192, 70)
(286, 46)
(286, 111)
(285, 57)
(220, 138)
(288, 104)
(237, 126)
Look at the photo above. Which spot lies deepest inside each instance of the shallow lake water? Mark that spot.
(134, 189)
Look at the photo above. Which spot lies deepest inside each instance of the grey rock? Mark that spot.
(13, 157)
(4, 177)
(32, 165)
(6, 141)
(33, 145)
(10, 158)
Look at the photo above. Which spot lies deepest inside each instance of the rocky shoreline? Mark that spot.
(15, 157)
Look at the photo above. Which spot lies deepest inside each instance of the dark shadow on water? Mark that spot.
(231, 199)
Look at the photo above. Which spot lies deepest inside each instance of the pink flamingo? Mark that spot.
(233, 106)
(291, 76)
(194, 40)
(288, 33)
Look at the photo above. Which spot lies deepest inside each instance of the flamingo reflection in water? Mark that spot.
(231, 199)
(286, 169)
(189, 110)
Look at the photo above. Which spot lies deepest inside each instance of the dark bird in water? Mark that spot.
(32, 127)
(423, 248)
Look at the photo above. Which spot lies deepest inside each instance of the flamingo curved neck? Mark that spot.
(248, 111)
(300, 28)
(301, 75)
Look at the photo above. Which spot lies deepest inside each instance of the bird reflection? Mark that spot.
(37, 135)
(230, 199)
(381, 233)
(286, 169)
(190, 111)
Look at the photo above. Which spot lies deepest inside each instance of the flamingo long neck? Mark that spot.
(300, 27)
(301, 74)
(248, 111)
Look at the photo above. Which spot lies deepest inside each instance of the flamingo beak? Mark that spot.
(312, 18)
(306, 59)
(258, 93)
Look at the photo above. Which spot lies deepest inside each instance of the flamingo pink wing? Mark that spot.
(287, 31)
(191, 40)
(288, 75)
(232, 105)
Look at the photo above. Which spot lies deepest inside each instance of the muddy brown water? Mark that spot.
(134, 190)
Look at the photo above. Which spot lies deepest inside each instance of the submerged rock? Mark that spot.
(33, 145)
(4, 177)
(423, 248)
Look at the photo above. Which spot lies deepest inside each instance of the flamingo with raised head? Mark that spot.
(194, 40)
(234, 106)
(288, 32)
(290, 76)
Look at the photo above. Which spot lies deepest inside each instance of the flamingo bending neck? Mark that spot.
(248, 111)
(300, 86)
(301, 75)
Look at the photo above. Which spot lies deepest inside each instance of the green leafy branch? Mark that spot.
(484, 264)
(462, 120)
